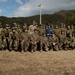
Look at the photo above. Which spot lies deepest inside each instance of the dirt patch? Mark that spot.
(37, 63)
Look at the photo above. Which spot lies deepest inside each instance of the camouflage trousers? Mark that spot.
(24, 46)
(53, 46)
(33, 46)
(71, 45)
(4, 44)
(7, 41)
(0, 42)
(60, 46)
(13, 45)
(43, 46)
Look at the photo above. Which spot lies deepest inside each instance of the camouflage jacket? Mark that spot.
(53, 40)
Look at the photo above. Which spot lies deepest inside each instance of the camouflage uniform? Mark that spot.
(4, 44)
(41, 30)
(62, 39)
(13, 40)
(33, 40)
(53, 42)
(62, 28)
(25, 41)
(19, 30)
(6, 35)
(1, 37)
(56, 31)
(32, 27)
(69, 30)
(70, 41)
(44, 42)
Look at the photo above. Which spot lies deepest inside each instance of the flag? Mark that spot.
(39, 5)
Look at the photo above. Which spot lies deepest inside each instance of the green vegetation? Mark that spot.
(65, 16)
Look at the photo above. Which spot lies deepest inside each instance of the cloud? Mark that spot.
(19, 1)
(48, 6)
(3, 0)
(1, 10)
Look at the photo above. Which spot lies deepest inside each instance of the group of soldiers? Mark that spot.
(34, 37)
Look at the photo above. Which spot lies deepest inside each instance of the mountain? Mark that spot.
(65, 16)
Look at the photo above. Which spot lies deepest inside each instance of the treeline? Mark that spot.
(65, 16)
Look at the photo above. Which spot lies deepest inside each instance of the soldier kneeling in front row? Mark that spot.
(53, 42)
(70, 41)
(13, 40)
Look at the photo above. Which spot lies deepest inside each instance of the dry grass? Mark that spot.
(37, 63)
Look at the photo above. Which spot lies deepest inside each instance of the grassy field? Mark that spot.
(37, 63)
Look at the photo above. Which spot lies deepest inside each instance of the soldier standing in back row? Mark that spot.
(41, 30)
(69, 30)
(49, 31)
(56, 30)
(19, 30)
(6, 35)
(32, 27)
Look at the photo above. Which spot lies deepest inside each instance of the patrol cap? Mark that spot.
(25, 29)
(34, 21)
(35, 29)
(70, 33)
(15, 25)
(7, 25)
(62, 30)
(53, 33)
(43, 33)
(13, 28)
(0, 26)
(18, 25)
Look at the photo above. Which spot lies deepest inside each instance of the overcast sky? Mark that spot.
(24, 8)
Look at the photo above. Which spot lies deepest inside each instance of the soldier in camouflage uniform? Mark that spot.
(53, 42)
(6, 35)
(4, 44)
(62, 39)
(70, 41)
(56, 30)
(41, 30)
(69, 30)
(33, 40)
(44, 42)
(19, 30)
(25, 40)
(32, 27)
(15, 26)
(13, 40)
(1, 36)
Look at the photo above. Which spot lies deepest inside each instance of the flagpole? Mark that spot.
(40, 14)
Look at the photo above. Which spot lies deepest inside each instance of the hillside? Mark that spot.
(66, 16)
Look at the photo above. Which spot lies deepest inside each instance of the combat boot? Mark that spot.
(31, 51)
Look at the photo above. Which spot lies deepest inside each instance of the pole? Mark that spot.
(40, 16)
